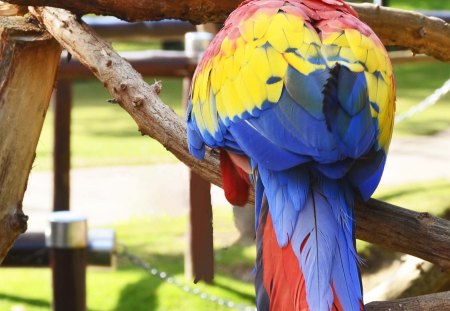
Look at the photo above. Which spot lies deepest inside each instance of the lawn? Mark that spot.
(161, 241)
(416, 4)
(420, 4)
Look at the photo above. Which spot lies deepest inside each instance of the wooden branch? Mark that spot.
(422, 34)
(427, 35)
(407, 276)
(195, 11)
(433, 302)
(378, 222)
(395, 228)
(138, 98)
(29, 58)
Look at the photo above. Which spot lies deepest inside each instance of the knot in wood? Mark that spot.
(422, 32)
(138, 101)
(19, 221)
(423, 216)
(157, 87)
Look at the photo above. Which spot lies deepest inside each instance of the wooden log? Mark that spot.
(155, 119)
(433, 302)
(422, 34)
(29, 60)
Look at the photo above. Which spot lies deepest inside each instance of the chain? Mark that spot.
(427, 102)
(140, 263)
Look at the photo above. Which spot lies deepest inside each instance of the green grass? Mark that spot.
(104, 134)
(430, 197)
(420, 4)
(414, 83)
(416, 4)
(161, 241)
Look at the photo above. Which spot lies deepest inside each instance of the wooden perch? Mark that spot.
(395, 228)
(407, 276)
(433, 302)
(29, 58)
(378, 222)
(422, 34)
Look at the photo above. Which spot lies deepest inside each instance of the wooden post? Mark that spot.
(61, 147)
(202, 250)
(199, 259)
(29, 60)
(67, 239)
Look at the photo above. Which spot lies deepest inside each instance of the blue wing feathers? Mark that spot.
(315, 213)
(307, 90)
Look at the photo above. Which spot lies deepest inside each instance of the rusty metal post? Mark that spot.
(67, 239)
(199, 261)
(61, 147)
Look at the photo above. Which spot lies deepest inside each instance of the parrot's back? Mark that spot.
(302, 94)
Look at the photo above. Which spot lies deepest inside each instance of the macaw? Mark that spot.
(299, 97)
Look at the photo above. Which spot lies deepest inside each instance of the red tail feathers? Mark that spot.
(235, 181)
(282, 277)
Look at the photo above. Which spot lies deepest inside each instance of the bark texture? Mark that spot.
(29, 60)
(433, 302)
(126, 85)
(378, 222)
(418, 234)
(422, 34)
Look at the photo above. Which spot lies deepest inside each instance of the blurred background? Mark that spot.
(131, 184)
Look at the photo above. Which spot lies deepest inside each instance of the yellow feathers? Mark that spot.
(250, 66)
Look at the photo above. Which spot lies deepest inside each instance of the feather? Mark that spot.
(235, 185)
(305, 92)
(324, 272)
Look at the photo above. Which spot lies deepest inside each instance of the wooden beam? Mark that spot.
(29, 60)
(422, 34)
(155, 119)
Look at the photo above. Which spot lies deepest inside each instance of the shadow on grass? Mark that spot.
(139, 296)
(142, 295)
(249, 298)
(26, 301)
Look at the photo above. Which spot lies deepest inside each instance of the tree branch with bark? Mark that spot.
(377, 222)
(29, 58)
(433, 302)
(422, 34)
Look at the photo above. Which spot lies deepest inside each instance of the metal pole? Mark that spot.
(61, 148)
(199, 261)
(66, 237)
